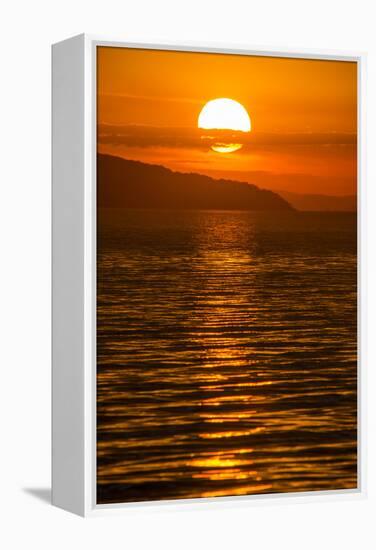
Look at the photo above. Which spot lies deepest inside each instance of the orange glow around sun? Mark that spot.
(284, 124)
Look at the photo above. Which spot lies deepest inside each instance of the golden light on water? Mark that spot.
(224, 414)
(230, 433)
(224, 114)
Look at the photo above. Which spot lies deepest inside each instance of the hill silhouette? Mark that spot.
(125, 183)
(320, 203)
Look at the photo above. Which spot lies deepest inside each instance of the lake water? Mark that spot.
(226, 351)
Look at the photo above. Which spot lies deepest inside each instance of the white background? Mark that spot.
(27, 28)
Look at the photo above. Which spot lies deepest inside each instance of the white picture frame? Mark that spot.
(74, 277)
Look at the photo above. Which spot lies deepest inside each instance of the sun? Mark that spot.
(224, 114)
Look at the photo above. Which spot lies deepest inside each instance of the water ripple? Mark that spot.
(226, 347)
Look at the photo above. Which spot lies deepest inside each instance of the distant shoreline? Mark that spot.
(125, 183)
(283, 212)
(133, 184)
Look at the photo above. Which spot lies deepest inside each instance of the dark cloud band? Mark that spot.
(195, 138)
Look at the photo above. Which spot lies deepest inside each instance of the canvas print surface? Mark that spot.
(226, 275)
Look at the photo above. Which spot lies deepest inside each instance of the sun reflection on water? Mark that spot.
(218, 371)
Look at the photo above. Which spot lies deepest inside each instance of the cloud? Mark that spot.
(195, 138)
(148, 136)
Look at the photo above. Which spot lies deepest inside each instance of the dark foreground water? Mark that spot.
(226, 354)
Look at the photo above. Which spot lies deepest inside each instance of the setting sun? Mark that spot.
(224, 114)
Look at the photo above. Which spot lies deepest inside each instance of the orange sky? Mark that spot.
(303, 112)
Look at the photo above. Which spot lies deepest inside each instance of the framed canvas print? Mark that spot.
(206, 274)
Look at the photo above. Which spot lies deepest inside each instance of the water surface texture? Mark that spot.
(226, 351)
